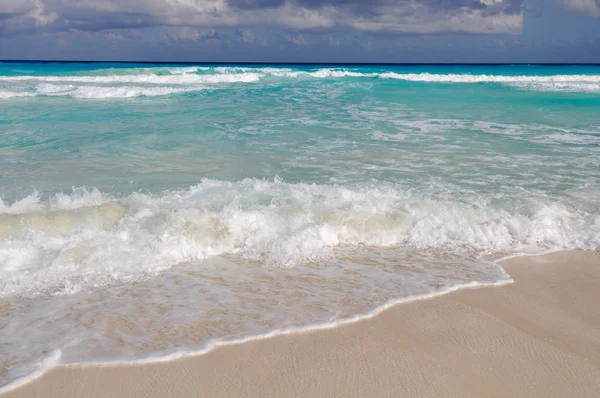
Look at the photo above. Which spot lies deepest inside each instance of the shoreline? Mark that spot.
(29, 385)
(52, 361)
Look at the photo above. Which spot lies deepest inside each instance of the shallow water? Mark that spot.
(152, 209)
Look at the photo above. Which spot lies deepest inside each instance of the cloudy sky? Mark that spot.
(302, 30)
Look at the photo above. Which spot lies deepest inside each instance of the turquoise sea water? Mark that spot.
(147, 210)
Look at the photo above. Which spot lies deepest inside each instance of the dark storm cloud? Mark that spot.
(412, 16)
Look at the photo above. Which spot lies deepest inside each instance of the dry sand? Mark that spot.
(537, 337)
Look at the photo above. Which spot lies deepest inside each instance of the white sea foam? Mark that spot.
(94, 239)
(126, 83)
(568, 83)
(246, 75)
(323, 73)
(468, 78)
(36, 370)
(155, 70)
(61, 222)
(99, 92)
(143, 82)
(176, 79)
(181, 71)
(582, 87)
(14, 94)
(543, 83)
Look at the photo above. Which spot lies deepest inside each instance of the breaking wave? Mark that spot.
(140, 82)
(92, 238)
(151, 78)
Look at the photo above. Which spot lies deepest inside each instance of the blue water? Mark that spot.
(151, 209)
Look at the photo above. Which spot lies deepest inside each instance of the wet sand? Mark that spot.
(537, 337)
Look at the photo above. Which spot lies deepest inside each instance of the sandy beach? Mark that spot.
(537, 337)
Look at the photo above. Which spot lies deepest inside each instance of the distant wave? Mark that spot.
(97, 92)
(139, 82)
(177, 79)
(573, 83)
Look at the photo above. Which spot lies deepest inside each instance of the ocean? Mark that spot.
(149, 211)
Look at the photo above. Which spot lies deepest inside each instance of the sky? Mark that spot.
(334, 31)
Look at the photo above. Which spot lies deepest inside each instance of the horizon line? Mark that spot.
(305, 63)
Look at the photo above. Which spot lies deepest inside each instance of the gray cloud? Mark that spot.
(408, 16)
(588, 7)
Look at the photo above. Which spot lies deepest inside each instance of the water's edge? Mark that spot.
(53, 360)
